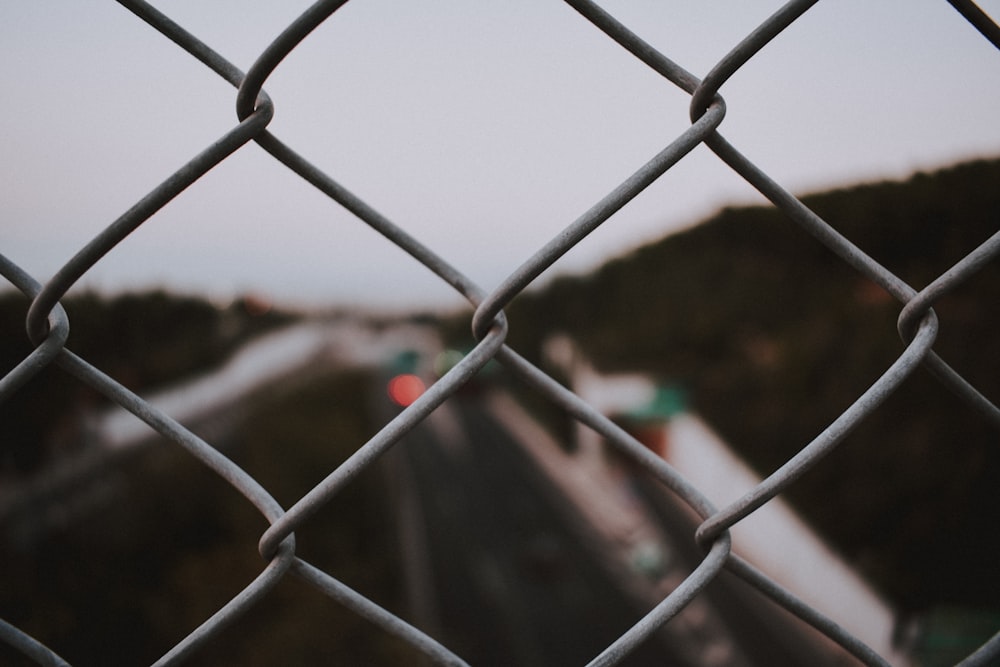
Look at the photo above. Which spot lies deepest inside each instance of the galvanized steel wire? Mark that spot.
(47, 327)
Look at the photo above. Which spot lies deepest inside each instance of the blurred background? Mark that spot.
(451, 119)
(284, 332)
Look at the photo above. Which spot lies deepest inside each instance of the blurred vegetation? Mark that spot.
(142, 340)
(146, 572)
(773, 336)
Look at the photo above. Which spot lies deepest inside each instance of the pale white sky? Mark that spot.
(483, 128)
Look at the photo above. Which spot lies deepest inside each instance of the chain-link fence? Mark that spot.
(48, 325)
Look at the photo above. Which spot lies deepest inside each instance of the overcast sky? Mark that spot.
(483, 128)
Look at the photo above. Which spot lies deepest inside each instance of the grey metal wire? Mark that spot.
(47, 327)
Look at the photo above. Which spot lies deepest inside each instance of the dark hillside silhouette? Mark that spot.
(774, 336)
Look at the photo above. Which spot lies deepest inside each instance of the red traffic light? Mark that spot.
(405, 388)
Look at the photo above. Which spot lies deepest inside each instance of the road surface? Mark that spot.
(511, 582)
(509, 575)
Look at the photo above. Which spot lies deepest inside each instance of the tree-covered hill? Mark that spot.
(773, 337)
(143, 340)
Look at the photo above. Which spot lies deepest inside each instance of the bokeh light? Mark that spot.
(404, 389)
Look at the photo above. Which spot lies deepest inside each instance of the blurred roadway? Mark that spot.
(510, 581)
(512, 562)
